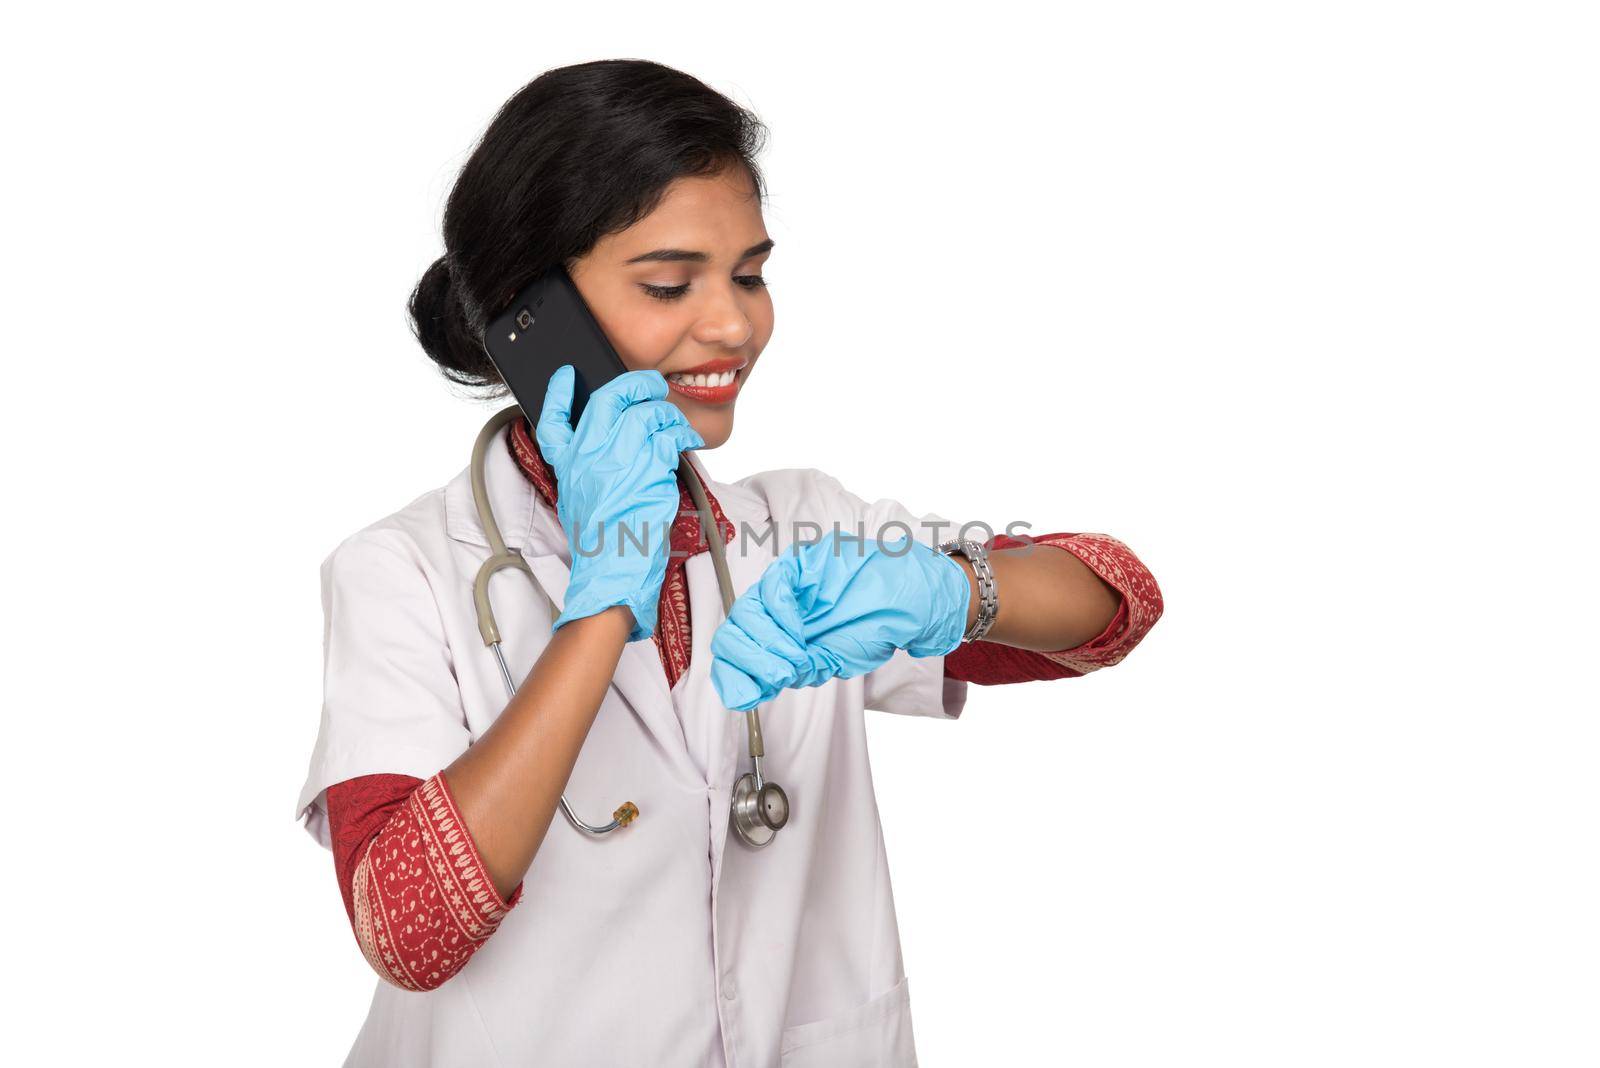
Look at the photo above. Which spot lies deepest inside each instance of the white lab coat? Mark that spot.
(668, 942)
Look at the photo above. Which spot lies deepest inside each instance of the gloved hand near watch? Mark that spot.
(837, 608)
(616, 477)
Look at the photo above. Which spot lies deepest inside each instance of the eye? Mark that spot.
(665, 292)
(748, 281)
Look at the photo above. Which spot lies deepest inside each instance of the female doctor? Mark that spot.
(502, 935)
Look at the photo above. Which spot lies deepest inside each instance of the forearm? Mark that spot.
(1049, 599)
(508, 783)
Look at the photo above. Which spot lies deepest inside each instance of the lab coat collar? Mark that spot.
(515, 503)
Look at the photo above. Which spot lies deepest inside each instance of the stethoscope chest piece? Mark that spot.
(759, 810)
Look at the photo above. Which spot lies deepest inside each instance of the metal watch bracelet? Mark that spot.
(988, 591)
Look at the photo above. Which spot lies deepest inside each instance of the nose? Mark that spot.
(724, 322)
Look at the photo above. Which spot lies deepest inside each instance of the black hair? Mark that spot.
(579, 152)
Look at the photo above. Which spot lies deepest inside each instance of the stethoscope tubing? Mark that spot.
(752, 809)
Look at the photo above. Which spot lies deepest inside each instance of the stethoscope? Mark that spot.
(759, 809)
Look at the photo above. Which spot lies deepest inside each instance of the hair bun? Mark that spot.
(439, 324)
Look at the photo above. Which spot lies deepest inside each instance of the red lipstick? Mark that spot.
(713, 370)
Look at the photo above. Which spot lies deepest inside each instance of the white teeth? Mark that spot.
(704, 380)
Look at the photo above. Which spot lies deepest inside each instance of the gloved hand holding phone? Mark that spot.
(837, 608)
(616, 490)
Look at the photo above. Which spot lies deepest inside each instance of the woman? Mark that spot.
(500, 938)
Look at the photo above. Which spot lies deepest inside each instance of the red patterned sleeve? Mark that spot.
(989, 663)
(416, 891)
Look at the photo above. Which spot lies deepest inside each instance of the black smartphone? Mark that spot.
(546, 325)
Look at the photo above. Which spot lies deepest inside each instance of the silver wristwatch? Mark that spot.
(988, 592)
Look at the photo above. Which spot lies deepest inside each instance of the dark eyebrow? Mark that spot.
(672, 255)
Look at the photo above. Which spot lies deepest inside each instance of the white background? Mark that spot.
(1298, 300)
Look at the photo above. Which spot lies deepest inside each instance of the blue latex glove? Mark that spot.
(616, 488)
(837, 608)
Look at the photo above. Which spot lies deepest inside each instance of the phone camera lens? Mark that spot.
(524, 319)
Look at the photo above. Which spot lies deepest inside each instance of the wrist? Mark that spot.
(609, 625)
(971, 576)
(609, 579)
(637, 610)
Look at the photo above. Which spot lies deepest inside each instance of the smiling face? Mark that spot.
(680, 292)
